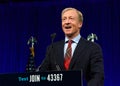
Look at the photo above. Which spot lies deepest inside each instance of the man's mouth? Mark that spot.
(68, 27)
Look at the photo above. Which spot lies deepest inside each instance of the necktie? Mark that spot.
(68, 55)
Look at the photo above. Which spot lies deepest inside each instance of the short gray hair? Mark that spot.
(80, 15)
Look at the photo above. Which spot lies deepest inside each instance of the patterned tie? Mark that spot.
(68, 55)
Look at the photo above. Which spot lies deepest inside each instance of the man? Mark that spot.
(83, 55)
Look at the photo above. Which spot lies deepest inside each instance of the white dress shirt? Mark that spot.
(73, 45)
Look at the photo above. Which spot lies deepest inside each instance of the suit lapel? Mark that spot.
(77, 52)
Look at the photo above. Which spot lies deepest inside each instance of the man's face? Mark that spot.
(70, 23)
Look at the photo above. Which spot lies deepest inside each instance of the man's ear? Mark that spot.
(80, 24)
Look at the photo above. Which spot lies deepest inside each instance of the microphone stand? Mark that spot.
(53, 37)
(57, 66)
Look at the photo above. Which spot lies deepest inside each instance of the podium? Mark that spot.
(53, 78)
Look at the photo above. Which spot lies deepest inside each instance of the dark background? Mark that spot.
(19, 20)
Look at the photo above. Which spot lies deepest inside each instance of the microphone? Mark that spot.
(53, 37)
(57, 66)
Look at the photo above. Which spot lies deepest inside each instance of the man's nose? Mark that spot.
(67, 21)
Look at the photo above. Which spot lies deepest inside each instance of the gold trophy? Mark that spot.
(30, 67)
(32, 40)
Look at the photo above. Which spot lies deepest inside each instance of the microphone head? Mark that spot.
(53, 35)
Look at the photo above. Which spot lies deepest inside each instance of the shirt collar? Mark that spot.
(75, 39)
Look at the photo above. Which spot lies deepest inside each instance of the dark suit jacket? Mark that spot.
(87, 56)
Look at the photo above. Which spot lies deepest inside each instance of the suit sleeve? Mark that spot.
(96, 70)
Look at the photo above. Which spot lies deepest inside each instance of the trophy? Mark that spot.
(92, 37)
(30, 67)
(32, 40)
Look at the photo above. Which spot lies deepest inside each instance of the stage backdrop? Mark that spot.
(21, 20)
